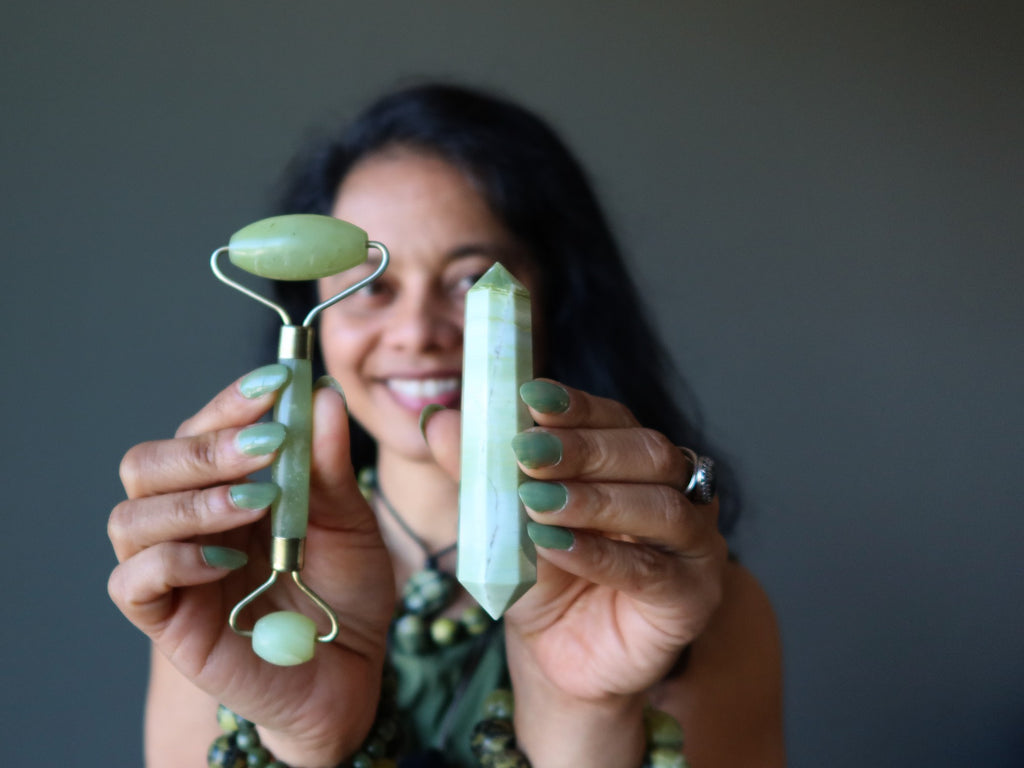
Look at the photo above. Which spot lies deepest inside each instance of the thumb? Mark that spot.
(441, 429)
(332, 482)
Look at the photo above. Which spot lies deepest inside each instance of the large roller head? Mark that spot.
(299, 246)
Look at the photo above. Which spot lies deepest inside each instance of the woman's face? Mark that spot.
(396, 345)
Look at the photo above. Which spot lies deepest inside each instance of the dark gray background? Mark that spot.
(822, 200)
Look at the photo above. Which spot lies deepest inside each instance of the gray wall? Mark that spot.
(823, 202)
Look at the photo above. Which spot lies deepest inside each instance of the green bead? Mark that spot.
(257, 758)
(444, 631)
(427, 592)
(226, 719)
(662, 729)
(499, 705)
(376, 747)
(475, 620)
(385, 728)
(491, 737)
(362, 760)
(510, 758)
(298, 247)
(247, 740)
(224, 753)
(663, 757)
(284, 638)
(410, 632)
(365, 481)
(229, 722)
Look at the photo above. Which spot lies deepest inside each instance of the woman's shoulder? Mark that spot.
(745, 603)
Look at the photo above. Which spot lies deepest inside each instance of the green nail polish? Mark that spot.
(550, 536)
(425, 415)
(260, 439)
(223, 557)
(537, 449)
(269, 378)
(543, 497)
(329, 382)
(253, 495)
(545, 397)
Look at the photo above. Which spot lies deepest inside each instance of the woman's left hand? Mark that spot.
(632, 570)
(636, 568)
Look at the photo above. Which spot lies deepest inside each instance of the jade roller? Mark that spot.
(293, 247)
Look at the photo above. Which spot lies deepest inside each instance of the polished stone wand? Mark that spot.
(497, 561)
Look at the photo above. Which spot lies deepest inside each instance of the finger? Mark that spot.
(652, 514)
(141, 523)
(241, 403)
(442, 431)
(609, 455)
(143, 587)
(210, 458)
(649, 574)
(556, 405)
(335, 499)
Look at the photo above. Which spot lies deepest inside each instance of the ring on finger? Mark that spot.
(701, 487)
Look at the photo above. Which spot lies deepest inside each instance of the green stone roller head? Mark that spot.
(302, 246)
(293, 247)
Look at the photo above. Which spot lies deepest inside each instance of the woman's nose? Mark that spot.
(423, 322)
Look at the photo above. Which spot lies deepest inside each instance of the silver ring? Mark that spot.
(701, 488)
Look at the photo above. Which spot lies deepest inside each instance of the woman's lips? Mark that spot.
(416, 393)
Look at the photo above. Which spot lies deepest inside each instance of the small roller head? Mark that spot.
(284, 638)
(300, 246)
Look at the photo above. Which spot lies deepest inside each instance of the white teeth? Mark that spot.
(423, 387)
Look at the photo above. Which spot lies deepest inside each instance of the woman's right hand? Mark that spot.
(180, 502)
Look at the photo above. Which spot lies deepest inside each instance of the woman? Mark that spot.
(636, 603)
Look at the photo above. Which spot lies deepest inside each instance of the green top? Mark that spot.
(441, 694)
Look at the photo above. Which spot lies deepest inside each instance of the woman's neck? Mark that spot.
(427, 500)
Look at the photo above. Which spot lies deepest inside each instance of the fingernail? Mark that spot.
(425, 415)
(329, 382)
(269, 378)
(223, 557)
(550, 536)
(537, 449)
(543, 497)
(253, 495)
(260, 439)
(545, 397)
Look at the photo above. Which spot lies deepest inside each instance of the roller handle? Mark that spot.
(290, 470)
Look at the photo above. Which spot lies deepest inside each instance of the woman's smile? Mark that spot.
(417, 392)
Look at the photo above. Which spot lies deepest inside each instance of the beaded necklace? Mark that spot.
(417, 626)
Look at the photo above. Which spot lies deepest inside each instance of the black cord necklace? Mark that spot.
(419, 630)
(418, 627)
(430, 558)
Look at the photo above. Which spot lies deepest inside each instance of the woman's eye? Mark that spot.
(466, 282)
(370, 296)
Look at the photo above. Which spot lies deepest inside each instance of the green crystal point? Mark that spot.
(497, 278)
(497, 560)
(298, 246)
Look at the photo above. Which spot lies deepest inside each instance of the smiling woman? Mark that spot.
(397, 347)
(636, 604)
